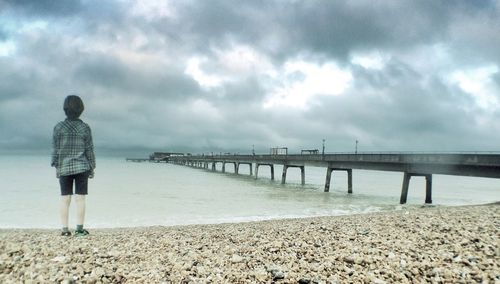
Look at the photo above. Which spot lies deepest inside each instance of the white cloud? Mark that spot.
(7, 48)
(372, 60)
(301, 81)
(152, 9)
(205, 110)
(243, 60)
(205, 80)
(35, 25)
(478, 83)
(229, 65)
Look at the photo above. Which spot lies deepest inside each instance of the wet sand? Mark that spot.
(431, 244)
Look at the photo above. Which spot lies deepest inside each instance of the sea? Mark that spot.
(132, 194)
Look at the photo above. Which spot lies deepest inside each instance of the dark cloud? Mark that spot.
(244, 92)
(217, 22)
(131, 69)
(496, 79)
(44, 8)
(115, 76)
(3, 34)
(328, 27)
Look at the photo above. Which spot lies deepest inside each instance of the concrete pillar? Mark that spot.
(328, 179)
(349, 181)
(428, 189)
(257, 166)
(404, 190)
(406, 185)
(283, 176)
(303, 175)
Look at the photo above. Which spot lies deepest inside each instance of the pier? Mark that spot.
(412, 165)
(156, 157)
(137, 160)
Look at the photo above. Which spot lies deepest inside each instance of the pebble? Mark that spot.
(432, 244)
(277, 275)
(59, 259)
(236, 258)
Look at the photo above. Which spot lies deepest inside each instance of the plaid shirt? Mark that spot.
(73, 150)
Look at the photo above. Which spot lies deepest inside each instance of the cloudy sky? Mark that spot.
(224, 75)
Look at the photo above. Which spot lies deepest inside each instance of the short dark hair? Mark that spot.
(73, 106)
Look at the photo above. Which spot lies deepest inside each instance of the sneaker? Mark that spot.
(82, 232)
(66, 233)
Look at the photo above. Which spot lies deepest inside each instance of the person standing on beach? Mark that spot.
(74, 160)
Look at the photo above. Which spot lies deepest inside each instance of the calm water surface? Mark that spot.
(125, 194)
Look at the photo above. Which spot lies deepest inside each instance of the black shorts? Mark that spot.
(81, 184)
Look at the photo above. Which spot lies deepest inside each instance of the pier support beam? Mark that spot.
(245, 163)
(257, 170)
(428, 189)
(329, 177)
(302, 173)
(406, 185)
(349, 181)
(235, 166)
(283, 175)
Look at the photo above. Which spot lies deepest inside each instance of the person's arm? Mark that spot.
(89, 152)
(55, 149)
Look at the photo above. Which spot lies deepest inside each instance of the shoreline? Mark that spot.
(404, 207)
(440, 244)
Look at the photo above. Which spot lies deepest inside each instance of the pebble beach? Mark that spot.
(412, 245)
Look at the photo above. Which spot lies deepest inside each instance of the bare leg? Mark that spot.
(64, 210)
(80, 209)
